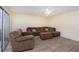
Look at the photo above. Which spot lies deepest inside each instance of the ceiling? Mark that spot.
(43, 10)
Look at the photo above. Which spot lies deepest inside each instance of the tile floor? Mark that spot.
(56, 44)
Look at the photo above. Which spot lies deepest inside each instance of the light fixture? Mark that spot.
(48, 12)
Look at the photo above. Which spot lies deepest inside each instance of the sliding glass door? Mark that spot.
(4, 29)
(0, 28)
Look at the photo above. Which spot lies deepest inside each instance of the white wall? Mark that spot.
(67, 24)
(23, 21)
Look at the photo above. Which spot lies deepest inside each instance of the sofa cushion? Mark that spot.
(52, 29)
(24, 38)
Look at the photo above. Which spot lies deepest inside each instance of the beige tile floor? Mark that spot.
(56, 44)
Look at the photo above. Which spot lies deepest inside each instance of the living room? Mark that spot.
(63, 18)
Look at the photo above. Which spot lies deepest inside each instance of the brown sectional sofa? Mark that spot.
(37, 30)
(21, 41)
(25, 40)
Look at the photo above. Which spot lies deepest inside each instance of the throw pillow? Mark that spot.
(33, 30)
(46, 29)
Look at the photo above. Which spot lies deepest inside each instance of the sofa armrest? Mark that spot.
(24, 38)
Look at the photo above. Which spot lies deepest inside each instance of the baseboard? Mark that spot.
(69, 38)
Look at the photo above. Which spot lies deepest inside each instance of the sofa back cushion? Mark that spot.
(41, 29)
(51, 29)
(28, 29)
